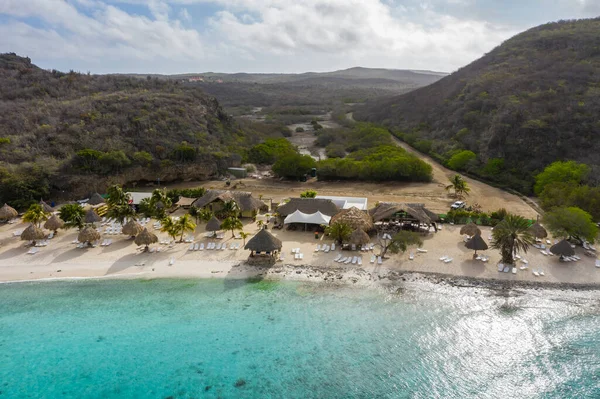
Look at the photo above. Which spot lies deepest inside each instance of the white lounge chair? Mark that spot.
(514, 270)
(348, 260)
(301, 256)
(281, 256)
(338, 257)
(411, 256)
(342, 259)
(421, 250)
(333, 247)
(171, 261)
(33, 251)
(443, 258)
(360, 261)
(218, 246)
(318, 248)
(541, 272)
(201, 247)
(327, 248)
(354, 260)
(506, 269)
(535, 272)
(191, 248)
(353, 247)
(373, 258)
(500, 267)
(597, 262)
(448, 260)
(379, 260)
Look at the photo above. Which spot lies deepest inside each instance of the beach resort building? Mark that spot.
(215, 201)
(346, 202)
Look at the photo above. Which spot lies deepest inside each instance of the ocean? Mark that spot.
(220, 338)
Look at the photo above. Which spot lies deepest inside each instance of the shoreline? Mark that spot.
(358, 277)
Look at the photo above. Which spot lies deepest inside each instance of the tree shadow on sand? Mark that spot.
(70, 254)
(139, 261)
(118, 245)
(11, 253)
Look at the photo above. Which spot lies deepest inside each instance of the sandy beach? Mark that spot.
(61, 259)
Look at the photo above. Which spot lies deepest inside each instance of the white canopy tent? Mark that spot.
(300, 217)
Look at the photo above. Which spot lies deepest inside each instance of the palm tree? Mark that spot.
(244, 235)
(73, 215)
(185, 224)
(35, 215)
(170, 227)
(121, 212)
(460, 186)
(512, 235)
(116, 196)
(230, 208)
(260, 224)
(339, 231)
(232, 223)
(160, 201)
(400, 242)
(205, 214)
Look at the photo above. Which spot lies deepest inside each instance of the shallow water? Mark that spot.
(229, 339)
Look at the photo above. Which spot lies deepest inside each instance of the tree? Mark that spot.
(35, 215)
(563, 172)
(461, 160)
(571, 222)
(145, 208)
(169, 226)
(511, 236)
(460, 186)
(121, 212)
(232, 223)
(339, 231)
(185, 224)
(230, 209)
(308, 194)
(73, 215)
(400, 242)
(160, 202)
(244, 235)
(116, 196)
(293, 165)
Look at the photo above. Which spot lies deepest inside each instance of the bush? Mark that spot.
(268, 152)
(461, 160)
(561, 172)
(299, 129)
(142, 158)
(335, 151)
(293, 165)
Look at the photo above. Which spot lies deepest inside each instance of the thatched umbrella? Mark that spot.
(146, 238)
(88, 235)
(470, 229)
(7, 212)
(563, 248)
(46, 207)
(359, 237)
(263, 241)
(538, 231)
(32, 233)
(92, 217)
(54, 223)
(96, 199)
(132, 228)
(213, 225)
(476, 243)
(355, 218)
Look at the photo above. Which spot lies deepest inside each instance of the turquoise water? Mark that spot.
(236, 339)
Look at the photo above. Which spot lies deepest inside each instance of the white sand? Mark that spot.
(123, 259)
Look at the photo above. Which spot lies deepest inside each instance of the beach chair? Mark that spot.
(338, 257)
(500, 267)
(218, 247)
(201, 247)
(80, 245)
(326, 249)
(506, 269)
(443, 258)
(421, 250)
(342, 259)
(353, 247)
(448, 260)
(360, 261)
(411, 256)
(597, 262)
(333, 247)
(301, 256)
(535, 272)
(373, 258)
(296, 256)
(152, 250)
(348, 260)
(195, 247)
(223, 247)
(379, 260)
(33, 251)
(191, 248)
(514, 270)
(318, 248)
(354, 260)
(548, 242)
(171, 261)
(17, 233)
(281, 256)
(541, 272)
(159, 249)
(544, 252)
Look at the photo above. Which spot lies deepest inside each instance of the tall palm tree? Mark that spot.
(511, 235)
(35, 215)
(116, 196)
(244, 235)
(185, 224)
(170, 227)
(121, 212)
(232, 223)
(339, 231)
(230, 208)
(460, 186)
(160, 201)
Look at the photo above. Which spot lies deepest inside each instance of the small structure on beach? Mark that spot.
(47, 208)
(359, 237)
(355, 218)
(404, 216)
(96, 199)
(32, 233)
(132, 228)
(213, 225)
(470, 229)
(538, 231)
(54, 223)
(308, 206)
(476, 243)
(360, 203)
(137, 197)
(92, 217)
(185, 202)
(300, 217)
(88, 235)
(146, 238)
(215, 199)
(263, 243)
(7, 213)
(563, 248)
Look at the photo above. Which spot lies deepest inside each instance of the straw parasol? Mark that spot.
(46, 207)
(359, 237)
(263, 241)
(54, 223)
(132, 228)
(32, 233)
(470, 229)
(92, 217)
(96, 199)
(7, 212)
(355, 218)
(563, 248)
(476, 243)
(146, 238)
(213, 225)
(538, 231)
(88, 235)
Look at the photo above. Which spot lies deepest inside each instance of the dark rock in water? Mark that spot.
(207, 388)
(240, 383)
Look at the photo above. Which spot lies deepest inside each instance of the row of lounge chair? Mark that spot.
(446, 259)
(355, 260)
(215, 246)
(325, 248)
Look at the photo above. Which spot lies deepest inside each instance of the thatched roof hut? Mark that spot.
(88, 235)
(476, 243)
(263, 241)
(470, 229)
(54, 223)
(96, 199)
(388, 210)
(538, 231)
(308, 206)
(7, 212)
(355, 218)
(46, 207)
(92, 217)
(146, 238)
(244, 200)
(132, 228)
(32, 233)
(213, 224)
(359, 237)
(563, 248)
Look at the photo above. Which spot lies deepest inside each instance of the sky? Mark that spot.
(287, 36)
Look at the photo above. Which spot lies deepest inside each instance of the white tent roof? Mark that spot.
(300, 217)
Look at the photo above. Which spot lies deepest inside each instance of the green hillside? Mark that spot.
(531, 101)
(76, 133)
